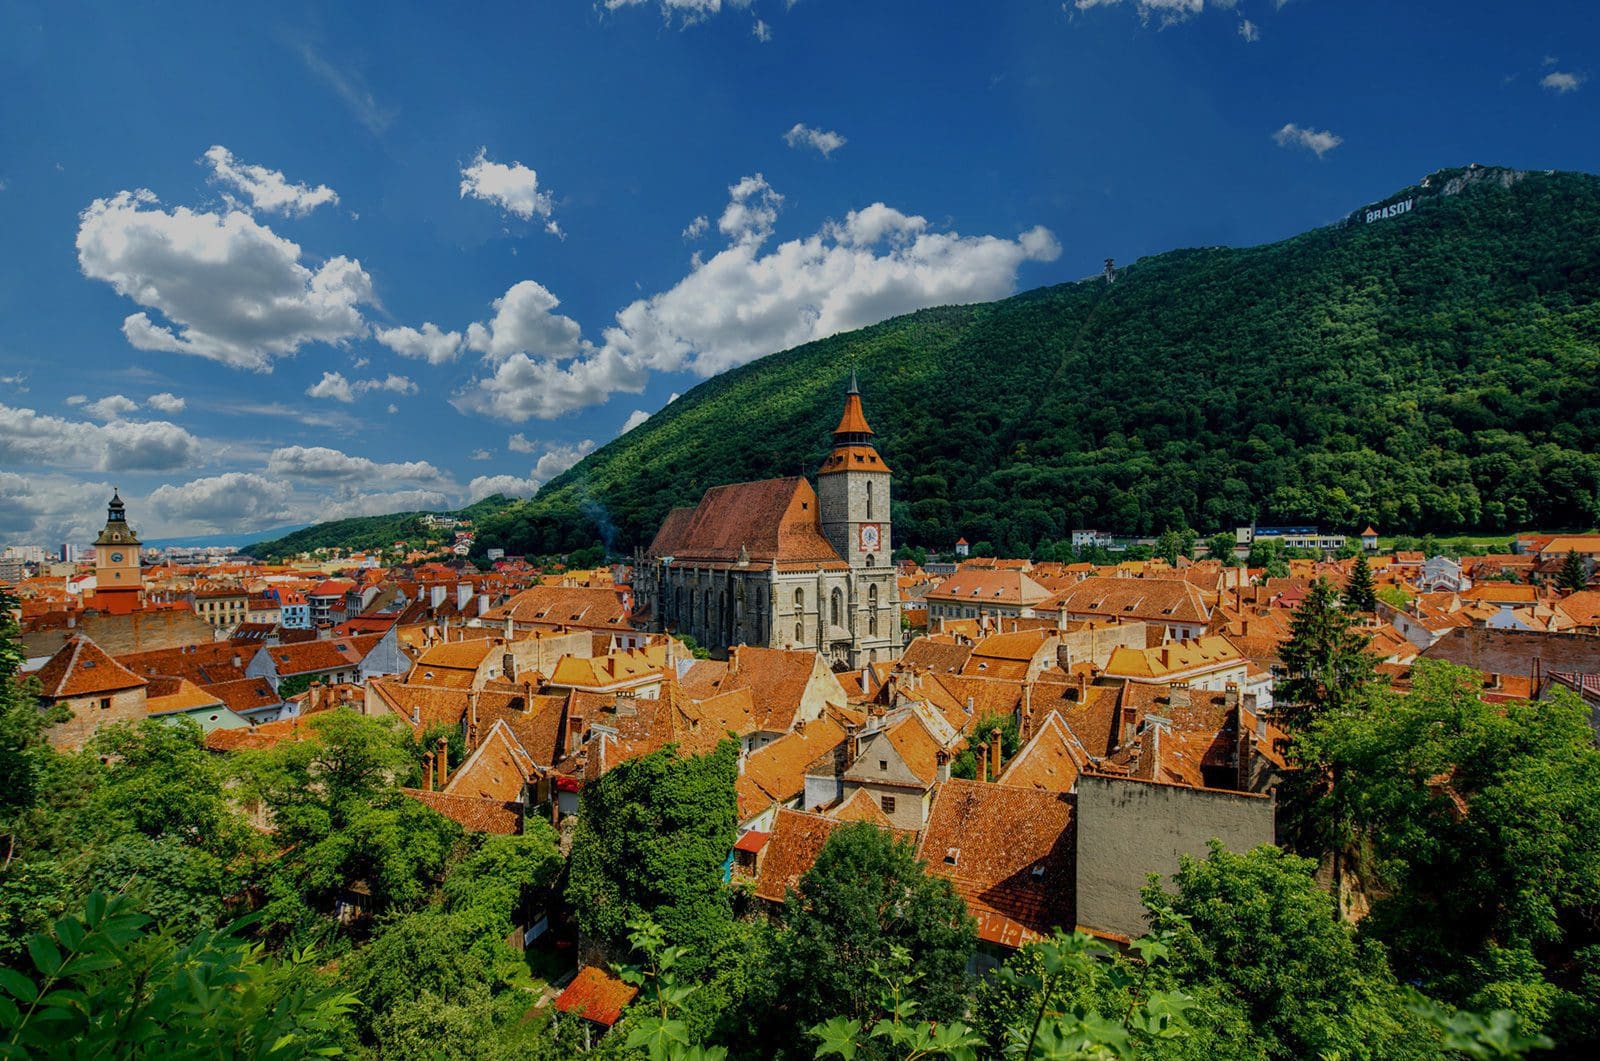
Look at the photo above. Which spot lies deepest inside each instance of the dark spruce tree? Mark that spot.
(1326, 660)
(1572, 575)
(1359, 596)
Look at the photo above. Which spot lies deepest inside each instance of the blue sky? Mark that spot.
(275, 266)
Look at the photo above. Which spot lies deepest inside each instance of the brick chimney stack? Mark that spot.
(441, 759)
(427, 771)
(994, 752)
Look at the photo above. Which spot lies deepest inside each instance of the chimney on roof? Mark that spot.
(1231, 695)
(942, 760)
(441, 759)
(508, 667)
(527, 695)
(574, 733)
(994, 753)
(463, 595)
(427, 771)
(472, 718)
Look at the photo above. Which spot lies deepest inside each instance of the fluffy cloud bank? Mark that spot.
(746, 301)
(233, 501)
(555, 460)
(229, 288)
(31, 438)
(334, 385)
(322, 464)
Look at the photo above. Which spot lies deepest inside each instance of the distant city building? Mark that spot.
(962, 548)
(1091, 538)
(1291, 537)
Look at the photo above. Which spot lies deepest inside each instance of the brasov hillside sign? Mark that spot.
(1392, 210)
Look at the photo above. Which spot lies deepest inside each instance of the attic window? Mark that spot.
(1038, 871)
(888, 804)
(883, 765)
(87, 664)
(952, 855)
(804, 505)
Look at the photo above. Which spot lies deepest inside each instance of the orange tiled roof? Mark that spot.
(472, 813)
(1050, 761)
(1156, 600)
(979, 587)
(596, 995)
(1010, 854)
(792, 848)
(579, 606)
(496, 770)
(777, 772)
(762, 522)
(81, 668)
(311, 657)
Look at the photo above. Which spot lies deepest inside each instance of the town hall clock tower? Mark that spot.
(119, 584)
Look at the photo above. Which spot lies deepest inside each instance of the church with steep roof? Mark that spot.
(780, 564)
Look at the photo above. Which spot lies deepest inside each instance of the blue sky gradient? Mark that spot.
(1011, 145)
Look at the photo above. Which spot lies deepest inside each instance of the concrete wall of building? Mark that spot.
(910, 804)
(1096, 646)
(89, 713)
(1128, 829)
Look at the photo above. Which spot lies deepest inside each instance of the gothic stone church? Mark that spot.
(780, 565)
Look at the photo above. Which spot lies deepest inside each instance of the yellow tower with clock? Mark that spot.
(119, 583)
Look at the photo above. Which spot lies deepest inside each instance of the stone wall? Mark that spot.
(1128, 829)
(119, 634)
(88, 715)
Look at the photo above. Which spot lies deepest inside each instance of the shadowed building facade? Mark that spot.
(779, 564)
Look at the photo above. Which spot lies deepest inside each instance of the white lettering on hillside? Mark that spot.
(1392, 210)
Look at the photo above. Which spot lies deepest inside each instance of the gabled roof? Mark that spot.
(497, 769)
(81, 668)
(473, 813)
(776, 773)
(981, 587)
(596, 995)
(903, 754)
(244, 694)
(796, 840)
(860, 806)
(777, 679)
(314, 657)
(1050, 761)
(1010, 854)
(1156, 600)
(929, 653)
(761, 522)
(595, 607)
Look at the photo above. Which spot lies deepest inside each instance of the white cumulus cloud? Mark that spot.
(166, 402)
(518, 443)
(747, 301)
(513, 188)
(635, 418)
(111, 407)
(29, 438)
(1318, 142)
(429, 343)
(334, 385)
(229, 288)
(322, 464)
(1249, 30)
(803, 135)
(1561, 82)
(524, 322)
(268, 189)
(227, 502)
(555, 460)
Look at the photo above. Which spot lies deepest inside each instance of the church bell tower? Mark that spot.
(119, 584)
(853, 490)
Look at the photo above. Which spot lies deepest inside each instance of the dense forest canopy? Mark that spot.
(1433, 371)
(370, 532)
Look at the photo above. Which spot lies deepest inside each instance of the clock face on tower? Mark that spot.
(869, 536)
(116, 558)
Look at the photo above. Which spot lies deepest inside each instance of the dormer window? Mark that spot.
(952, 855)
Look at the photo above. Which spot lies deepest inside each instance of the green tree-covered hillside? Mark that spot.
(369, 532)
(1437, 370)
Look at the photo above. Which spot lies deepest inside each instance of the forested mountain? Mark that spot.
(1436, 369)
(370, 532)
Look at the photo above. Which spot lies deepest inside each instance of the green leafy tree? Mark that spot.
(1072, 996)
(656, 1022)
(866, 895)
(653, 834)
(1325, 659)
(1573, 576)
(897, 1033)
(1173, 545)
(1220, 547)
(1269, 554)
(1483, 840)
(109, 984)
(1359, 596)
(965, 764)
(1257, 925)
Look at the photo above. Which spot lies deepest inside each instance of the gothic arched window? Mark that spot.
(799, 601)
(872, 610)
(869, 498)
(836, 608)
